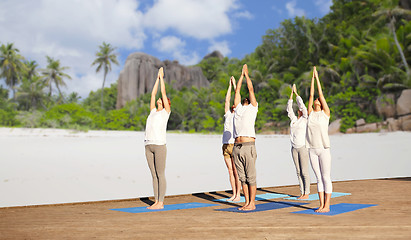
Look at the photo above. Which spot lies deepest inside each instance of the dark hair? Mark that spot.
(169, 101)
(245, 100)
(322, 108)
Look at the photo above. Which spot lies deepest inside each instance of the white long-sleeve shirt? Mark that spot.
(298, 126)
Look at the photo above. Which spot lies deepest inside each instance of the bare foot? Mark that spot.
(243, 207)
(250, 207)
(236, 199)
(319, 209)
(159, 205)
(305, 196)
(324, 210)
(152, 205)
(231, 198)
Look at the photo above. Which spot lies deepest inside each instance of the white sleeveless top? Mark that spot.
(317, 130)
(156, 127)
(228, 137)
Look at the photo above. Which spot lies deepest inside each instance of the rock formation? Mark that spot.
(140, 72)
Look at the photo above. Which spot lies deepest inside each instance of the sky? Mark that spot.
(182, 30)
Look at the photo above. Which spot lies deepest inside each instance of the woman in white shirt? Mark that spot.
(318, 143)
(155, 140)
(228, 144)
(299, 152)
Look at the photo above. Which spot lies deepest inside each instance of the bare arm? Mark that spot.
(237, 96)
(228, 97)
(153, 94)
(163, 91)
(326, 109)
(253, 100)
(311, 99)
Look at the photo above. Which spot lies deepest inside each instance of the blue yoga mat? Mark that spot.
(166, 207)
(313, 197)
(338, 209)
(264, 207)
(258, 197)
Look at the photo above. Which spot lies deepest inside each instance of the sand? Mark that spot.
(48, 166)
(390, 219)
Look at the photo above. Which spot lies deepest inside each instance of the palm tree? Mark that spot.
(54, 74)
(103, 60)
(11, 66)
(31, 92)
(390, 10)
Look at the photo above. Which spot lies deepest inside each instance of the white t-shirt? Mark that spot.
(298, 126)
(244, 120)
(228, 137)
(317, 130)
(156, 127)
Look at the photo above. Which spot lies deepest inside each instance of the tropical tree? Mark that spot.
(54, 74)
(390, 11)
(11, 66)
(31, 92)
(104, 58)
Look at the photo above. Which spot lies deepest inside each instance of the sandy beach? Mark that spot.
(50, 166)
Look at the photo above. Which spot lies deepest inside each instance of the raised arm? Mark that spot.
(326, 109)
(237, 96)
(289, 109)
(153, 94)
(163, 91)
(253, 101)
(228, 96)
(311, 99)
(300, 103)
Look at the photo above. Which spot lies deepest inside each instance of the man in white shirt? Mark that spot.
(244, 151)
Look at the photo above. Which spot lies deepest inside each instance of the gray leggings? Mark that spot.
(156, 159)
(301, 159)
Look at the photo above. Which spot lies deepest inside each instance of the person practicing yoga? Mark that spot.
(318, 142)
(155, 140)
(244, 151)
(228, 144)
(299, 153)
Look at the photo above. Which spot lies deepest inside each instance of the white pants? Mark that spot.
(321, 163)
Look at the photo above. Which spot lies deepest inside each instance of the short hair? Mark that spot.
(246, 100)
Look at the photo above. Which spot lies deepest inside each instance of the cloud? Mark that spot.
(197, 19)
(71, 31)
(244, 14)
(176, 46)
(220, 46)
(324, 5)
(292, 10)
(169, 44)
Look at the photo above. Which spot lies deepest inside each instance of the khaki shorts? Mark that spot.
(228, 150)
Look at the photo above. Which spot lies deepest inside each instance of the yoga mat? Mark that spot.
(166, 207)
(313, 197)
(264, 207)
(338, 209)
(258, 197)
